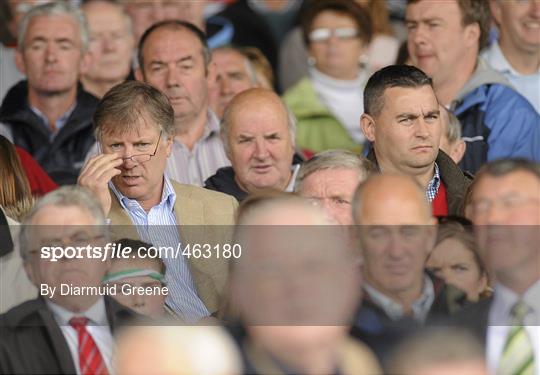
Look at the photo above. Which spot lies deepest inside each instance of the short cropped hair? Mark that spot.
(226, 123)
(65, 196)
(503, 167)
(57, 8)
(175, 25)
(453, 130)
(347, 7)
(334, 159)
(123, 107)
(406, 76)
(474, 11)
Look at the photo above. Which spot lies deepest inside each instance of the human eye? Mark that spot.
(340, 201)
(65, 45)
(405, 121)
(459, 267)
(244, 140)
(409, 230)
(273, 137)
(432, 117)
(411, 25)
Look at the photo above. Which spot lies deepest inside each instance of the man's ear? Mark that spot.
(19, 62)
(211, 74)
(472, 35)
(169, 145)
(139, 76)
(496, 11)
(30, 271)
(368, 127)
(458, 150)
(86, 61)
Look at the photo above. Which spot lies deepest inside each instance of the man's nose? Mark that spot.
(261, 149)
(50, 54)
(422, 128)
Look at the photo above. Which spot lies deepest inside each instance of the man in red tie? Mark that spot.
(69, 328)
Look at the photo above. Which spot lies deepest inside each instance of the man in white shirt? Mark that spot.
(67, 325)
(505, 207)
(517, 52)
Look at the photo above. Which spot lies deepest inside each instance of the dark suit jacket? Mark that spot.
(474, 319)
(31, 342)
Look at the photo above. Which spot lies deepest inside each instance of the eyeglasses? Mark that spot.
(143, 158)
(323, 34)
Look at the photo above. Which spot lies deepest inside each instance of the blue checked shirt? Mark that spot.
(159, 228)
(433, 185)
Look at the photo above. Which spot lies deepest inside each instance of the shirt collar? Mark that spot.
(290, 187)
(505, 299)
(498, 61)
(59, 122)
(211, 129)
(433, 184)
(168, 197)
(394, 310)
(96, 313)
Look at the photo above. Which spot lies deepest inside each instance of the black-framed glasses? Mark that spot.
(143, 158)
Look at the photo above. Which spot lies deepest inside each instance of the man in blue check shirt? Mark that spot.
(134, 124)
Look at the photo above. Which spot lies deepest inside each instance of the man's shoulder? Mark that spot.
(203, 195)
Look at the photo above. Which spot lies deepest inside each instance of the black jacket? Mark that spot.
(224, 182)
(61, 158)
(455, 181)
(31, 342)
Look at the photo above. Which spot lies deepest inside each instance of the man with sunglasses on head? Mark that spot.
(134, 124)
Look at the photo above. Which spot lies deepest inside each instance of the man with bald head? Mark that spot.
(396, 235)
(258, 132)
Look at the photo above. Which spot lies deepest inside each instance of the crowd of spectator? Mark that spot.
(270, 187)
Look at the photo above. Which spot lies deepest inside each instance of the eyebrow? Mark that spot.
(180, 60)
(424, 20)
(407, 115)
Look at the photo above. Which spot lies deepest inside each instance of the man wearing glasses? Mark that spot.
(134, 124)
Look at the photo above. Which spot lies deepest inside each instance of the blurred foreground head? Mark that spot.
(296, 286)
(439, 352)
(175, 350)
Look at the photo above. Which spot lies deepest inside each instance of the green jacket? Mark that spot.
(317, 128)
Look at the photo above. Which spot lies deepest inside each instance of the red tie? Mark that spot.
(90, 360)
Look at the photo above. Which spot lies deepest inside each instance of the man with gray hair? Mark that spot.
(68, 328)
(330, 179)
(49, 115)
(235, 74)
(258, 132)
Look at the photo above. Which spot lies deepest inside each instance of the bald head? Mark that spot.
(390, 199)
(258, 133)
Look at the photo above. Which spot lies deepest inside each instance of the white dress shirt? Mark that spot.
(98, 328)
(499, 318)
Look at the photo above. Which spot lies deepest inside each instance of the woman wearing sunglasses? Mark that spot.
(329, 101)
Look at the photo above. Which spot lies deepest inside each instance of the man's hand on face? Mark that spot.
(96, 174)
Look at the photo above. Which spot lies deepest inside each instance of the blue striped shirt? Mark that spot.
(159, 228)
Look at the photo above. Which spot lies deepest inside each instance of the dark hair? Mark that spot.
(175, 25)
(347, 7)
(391, 76)
(474, 11)
(123, 106)
(14, 186)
